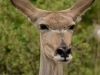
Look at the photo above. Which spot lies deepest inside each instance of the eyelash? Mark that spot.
(72, 27)
(43, 27)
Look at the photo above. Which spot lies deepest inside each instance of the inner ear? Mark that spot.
(78, 18)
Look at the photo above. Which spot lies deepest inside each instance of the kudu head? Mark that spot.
(56, 27)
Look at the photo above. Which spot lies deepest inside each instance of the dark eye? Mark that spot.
(43, 27)
(72, 27)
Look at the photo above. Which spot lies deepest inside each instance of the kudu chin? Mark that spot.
(56, 29)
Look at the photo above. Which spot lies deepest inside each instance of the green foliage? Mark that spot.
(19, 40)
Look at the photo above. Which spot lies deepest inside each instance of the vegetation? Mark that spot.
(19, 41)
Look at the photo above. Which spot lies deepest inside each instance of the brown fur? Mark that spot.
(50, 41)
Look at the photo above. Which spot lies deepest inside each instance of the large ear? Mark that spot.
(28, 9)
(78, 8)
(24, 6)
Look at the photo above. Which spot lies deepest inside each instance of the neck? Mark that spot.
(48, 66)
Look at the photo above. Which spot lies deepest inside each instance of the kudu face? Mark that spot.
(56, 28)
(56, 31)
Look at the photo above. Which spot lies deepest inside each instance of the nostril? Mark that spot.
(60, 51)
(69, 51)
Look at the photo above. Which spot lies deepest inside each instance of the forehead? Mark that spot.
(56, 20)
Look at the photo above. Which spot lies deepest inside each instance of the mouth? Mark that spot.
(63, 59)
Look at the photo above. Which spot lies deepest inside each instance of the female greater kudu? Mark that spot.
(56, 28)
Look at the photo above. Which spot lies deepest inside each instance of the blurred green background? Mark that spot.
(20, 47)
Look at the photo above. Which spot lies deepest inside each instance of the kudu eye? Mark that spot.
(72, 27)
(43, 27)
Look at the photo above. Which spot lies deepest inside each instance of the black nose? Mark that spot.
(64, 52)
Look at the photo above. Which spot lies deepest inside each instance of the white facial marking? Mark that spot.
(59, 31)
(69, 58)
(59, 58)
(56, 31)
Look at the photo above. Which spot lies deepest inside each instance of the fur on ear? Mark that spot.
(79, 17)
(24, 6)
(80, 7)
